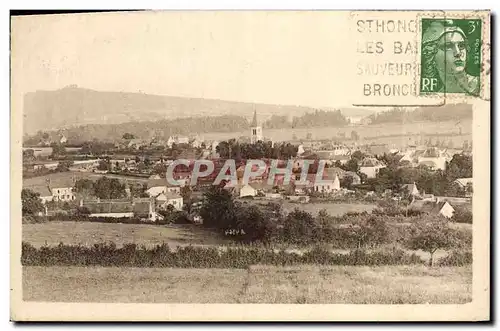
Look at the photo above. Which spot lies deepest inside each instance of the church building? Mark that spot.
(256, 130)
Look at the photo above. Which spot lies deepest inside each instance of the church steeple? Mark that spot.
(254, 121)
(256, 130)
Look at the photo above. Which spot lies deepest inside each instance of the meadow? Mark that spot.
(394, 135)
(258, 284)
(334, 209)
(90, 233)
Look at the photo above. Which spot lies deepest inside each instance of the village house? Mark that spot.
(332, 156)
(327, 186)
(143, 208)
(247, 191)
(196, 142)
(443, 208)
(356, 180)
(370, 166)
(44, 192)
(177, 140)
(53, 187)
(135, 143)
(163, 200)
(182, 140)
(411, 189)
(157, 186)
(434, 159)
(465, 184)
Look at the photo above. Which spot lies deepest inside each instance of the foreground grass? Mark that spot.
(90, 233)
(305, 284)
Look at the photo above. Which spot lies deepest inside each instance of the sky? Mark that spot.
(266, 57)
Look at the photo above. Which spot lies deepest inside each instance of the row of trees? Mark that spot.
(437, 182)
(233, 149)
(400, 115)
(269, 224)
(318, 118)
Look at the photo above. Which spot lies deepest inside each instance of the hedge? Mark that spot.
(130, 255)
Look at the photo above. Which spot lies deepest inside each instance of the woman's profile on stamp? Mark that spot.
(445, 52)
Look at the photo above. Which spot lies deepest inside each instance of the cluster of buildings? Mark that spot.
(162, 194)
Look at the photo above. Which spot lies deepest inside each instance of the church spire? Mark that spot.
(254, 121)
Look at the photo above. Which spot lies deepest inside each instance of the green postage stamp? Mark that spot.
(451, 56)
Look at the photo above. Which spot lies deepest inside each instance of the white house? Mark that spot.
(463, 182)
(327, 186)
(196, 142)
(445, 209)
(411, 189)
(434, 158)
(169, 198)
(371, 167)
(247, 191)
(170, 142)
(44, 191)
(158, 186)
(119, 208)
(63, 193)
(182, 140)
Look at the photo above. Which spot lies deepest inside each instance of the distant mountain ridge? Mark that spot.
(74, 106)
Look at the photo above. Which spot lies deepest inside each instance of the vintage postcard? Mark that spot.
(250, 166)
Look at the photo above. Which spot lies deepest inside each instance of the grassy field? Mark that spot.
(306, 284)
(76, 175)
(89, 233)
(393, 134)
(334, 209)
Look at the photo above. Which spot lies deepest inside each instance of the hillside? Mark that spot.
(448, 112)
(72, 106)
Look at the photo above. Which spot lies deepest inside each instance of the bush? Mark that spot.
(107, 254)
(456, 258)
(462, 215)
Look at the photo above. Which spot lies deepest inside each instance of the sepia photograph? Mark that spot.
(317, 163)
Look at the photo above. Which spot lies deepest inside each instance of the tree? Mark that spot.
(63, 166)
(218, 209)
(430, 236)
(30, 202)
(128, 136)
(300, 227)
(351, 165)
(460, 166)
(57, 150)
(104, 165)
(358, 156)
(109, 188)
(28, 155)
(256, 223)
(462, 215)
(84, 187)
(346, 182)
(369, 232)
